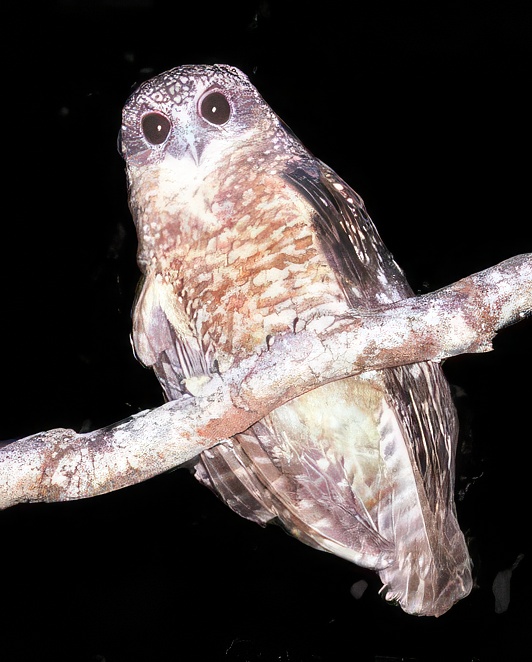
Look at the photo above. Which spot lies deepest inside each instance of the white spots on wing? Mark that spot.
(323, 464)
(362, 256)
(338, 186)
(382, 278)
(383, 298)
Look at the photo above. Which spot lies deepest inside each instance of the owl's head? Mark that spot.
(194, 113)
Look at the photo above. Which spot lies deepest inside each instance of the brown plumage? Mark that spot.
(244, 234)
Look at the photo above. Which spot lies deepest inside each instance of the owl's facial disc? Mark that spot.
(158, 128)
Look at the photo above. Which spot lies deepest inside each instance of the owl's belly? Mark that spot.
(314, 466)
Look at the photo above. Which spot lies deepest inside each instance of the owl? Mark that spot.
(242, 235)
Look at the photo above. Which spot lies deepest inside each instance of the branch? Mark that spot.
(59, 465)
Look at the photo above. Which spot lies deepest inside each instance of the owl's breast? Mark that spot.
(256, 271)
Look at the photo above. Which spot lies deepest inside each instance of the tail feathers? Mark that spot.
(431, 569)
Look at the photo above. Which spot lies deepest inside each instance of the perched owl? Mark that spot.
(244, 234)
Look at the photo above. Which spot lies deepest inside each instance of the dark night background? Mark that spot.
(424, 109)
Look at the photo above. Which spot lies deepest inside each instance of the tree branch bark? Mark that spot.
(59, 465)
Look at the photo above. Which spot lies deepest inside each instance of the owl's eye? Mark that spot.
(215, 108)
(155, 127)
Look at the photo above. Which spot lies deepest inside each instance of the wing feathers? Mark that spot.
(163, 338)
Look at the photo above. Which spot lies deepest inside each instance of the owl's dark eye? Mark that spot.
(215, 108)
(155, 127)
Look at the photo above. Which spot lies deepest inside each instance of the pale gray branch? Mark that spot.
(60, 464)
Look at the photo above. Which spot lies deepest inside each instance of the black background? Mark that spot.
(425, 110)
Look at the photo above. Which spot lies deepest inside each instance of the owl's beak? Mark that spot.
(194, 147)
(192, 150)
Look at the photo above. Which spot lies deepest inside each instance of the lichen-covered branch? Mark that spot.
(60, 464)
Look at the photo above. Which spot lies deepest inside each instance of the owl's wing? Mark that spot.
(364, 266)
(163, 339)
(432, 568)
